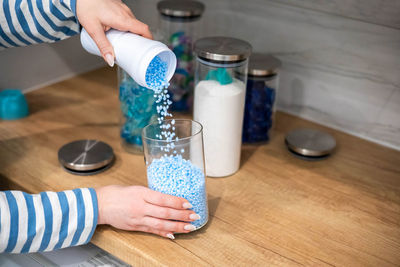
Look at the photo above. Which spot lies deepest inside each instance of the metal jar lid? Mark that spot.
(222, 49)
(181, 8)
(263, 65)
(310, 143)
(86, 157)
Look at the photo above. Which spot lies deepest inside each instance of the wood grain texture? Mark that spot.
(276, 211)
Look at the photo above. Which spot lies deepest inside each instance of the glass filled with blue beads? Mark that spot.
(138, 109)
(173, 151)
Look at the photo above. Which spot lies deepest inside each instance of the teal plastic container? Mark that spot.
(13, 105)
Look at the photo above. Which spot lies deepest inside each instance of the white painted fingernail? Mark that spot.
(187, 205)
(189, 227)
(194, 216)
(110, 59)
(171, 236)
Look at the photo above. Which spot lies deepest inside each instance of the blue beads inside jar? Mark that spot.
(259, 108)
(138, 109)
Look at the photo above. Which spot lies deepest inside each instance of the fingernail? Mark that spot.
(194, 216)
(187, 205)
(110, 59)
(189, 227)
(171, 236)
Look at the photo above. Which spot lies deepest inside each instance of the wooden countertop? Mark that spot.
(277, 210)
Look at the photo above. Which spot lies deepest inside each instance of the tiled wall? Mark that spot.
(341, 58)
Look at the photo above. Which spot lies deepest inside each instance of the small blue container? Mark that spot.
(262, 86)
(13, 105)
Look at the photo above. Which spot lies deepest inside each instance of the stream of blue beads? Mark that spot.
(171, 174)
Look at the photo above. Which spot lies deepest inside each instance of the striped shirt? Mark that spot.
(49, 220)
(25, 22)
(46, 221)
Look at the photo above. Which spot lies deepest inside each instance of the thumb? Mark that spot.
(96, 31)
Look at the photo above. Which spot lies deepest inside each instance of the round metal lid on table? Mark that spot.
(263, 65)
(222, 49)
(310, 143)
(86, 157)
(181, 8)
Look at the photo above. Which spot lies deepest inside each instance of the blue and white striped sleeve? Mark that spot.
(46, 221)
(26, 22)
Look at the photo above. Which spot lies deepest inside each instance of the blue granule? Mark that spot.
(157, 81)
(258, 112)
(138, 109)
(176, 176)
(156, 74)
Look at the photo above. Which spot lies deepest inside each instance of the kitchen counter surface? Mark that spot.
(277, 210)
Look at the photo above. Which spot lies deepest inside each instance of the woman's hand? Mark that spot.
(137, 208)
(98, 16)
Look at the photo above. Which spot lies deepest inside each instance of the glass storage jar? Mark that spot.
(178, 28)
(219, 96)
(262, 86)
(138, 109)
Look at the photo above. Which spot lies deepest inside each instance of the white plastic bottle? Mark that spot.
(133, 53)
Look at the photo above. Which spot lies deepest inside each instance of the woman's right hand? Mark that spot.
(137, 208)
(98, 16)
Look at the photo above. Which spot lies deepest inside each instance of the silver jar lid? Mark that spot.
(180, 8)
(222, 49)
(310, 142)
(263, 65)
(86, 157)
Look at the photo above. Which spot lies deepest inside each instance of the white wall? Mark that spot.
(341, 58)
(34, 66)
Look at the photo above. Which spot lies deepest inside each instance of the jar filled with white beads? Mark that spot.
(179, 27)
(219, 98)
(173, 151)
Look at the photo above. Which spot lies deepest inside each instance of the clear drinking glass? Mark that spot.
(177, 167)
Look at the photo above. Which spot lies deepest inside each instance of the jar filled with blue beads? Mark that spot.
(173, 151)
(178, 28)
(138, 109)
(262, 86)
